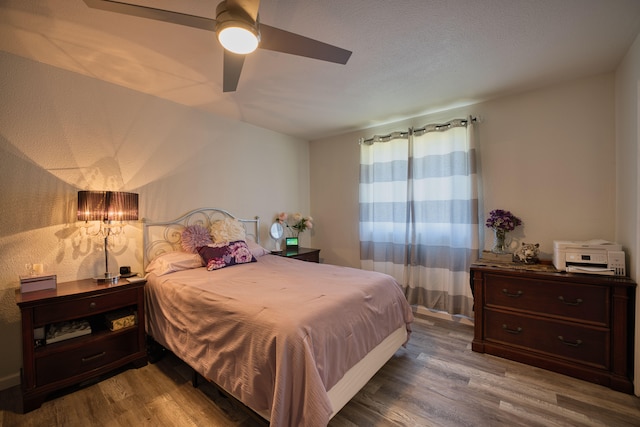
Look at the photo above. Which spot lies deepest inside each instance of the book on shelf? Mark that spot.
(66, 330)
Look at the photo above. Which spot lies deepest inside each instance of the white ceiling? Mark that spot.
(410, 57)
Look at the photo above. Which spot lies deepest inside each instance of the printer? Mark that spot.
(591, 257)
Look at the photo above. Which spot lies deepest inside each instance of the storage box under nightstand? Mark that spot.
(120, 319)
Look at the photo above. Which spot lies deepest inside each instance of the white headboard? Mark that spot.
(163, 237)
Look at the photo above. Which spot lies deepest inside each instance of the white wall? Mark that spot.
(547, 155)
(61, 132)
(627, 178)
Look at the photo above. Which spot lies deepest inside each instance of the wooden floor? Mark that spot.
(436, 381)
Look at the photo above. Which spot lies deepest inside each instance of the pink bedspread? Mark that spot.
(277, 333)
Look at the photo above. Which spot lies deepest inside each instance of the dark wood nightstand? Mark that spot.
(50, 367)
(303, 254)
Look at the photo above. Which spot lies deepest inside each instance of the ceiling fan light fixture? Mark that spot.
(238, 37)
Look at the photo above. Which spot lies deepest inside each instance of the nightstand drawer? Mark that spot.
(75, 361)
(83, 307)
(561, 339)
(309, 256)
(302, 254)
(580, 302)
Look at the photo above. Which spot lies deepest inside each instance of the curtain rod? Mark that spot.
(419, 131)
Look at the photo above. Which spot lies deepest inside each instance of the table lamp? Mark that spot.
(107, 207)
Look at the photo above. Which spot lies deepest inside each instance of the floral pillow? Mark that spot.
(216, 257)
(194, 236)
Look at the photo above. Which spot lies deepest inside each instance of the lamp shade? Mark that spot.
(107, 206)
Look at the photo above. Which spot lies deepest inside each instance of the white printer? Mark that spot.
(591, 257)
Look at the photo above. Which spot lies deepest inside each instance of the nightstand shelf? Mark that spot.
(303, 254)
(54, 366)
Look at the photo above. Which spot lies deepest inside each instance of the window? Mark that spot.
(419, 212)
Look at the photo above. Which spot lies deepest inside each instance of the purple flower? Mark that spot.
(499, 219)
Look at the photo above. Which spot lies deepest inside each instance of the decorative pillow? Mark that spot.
(227, 230)
(220, 256)
(256, 249)
(174, 261)
(194, 236)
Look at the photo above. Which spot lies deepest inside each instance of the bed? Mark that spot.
(294, 341)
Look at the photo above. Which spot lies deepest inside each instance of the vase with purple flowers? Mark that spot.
(501, 221)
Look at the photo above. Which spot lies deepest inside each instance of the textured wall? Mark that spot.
(61, 132)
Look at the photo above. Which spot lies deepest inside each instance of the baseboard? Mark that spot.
(10, 381)
(443, 315)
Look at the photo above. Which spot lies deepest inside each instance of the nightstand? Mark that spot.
(48, 367)
(303, 254)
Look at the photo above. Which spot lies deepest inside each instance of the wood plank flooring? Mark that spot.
(436, 381)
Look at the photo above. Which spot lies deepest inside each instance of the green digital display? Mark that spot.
(291, 242)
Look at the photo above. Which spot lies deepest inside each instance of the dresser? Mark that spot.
(303, 254)
(52, 366)
(579, 325)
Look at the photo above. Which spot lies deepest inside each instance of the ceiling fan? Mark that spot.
(236, 21)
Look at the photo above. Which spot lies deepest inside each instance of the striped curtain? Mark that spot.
(419, 213)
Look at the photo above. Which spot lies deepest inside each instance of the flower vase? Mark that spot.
(499, 244)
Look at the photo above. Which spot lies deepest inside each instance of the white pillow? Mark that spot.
(227, 230)
(256, 249)
(174, 261)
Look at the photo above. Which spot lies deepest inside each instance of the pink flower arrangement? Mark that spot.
(300, 222)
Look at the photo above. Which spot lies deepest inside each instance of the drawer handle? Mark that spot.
(577, 343)
(512, 331)
(510, 295)
(94, 357)
(576, 302)
(92, 305)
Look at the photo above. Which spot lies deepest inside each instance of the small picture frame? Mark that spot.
(291, 243)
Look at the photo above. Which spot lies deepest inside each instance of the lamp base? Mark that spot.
(107, 278)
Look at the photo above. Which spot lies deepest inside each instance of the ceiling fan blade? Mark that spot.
(250, 7)
(278, 40)
(153, 13)
(232, 68)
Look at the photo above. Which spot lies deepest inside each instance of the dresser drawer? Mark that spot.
(83, 307)
(580, 302)
(73, 361)
(561, 339)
